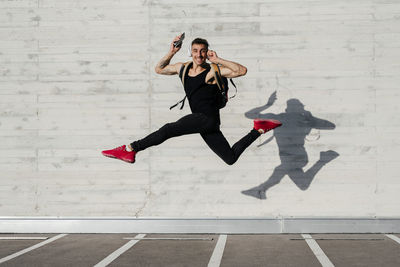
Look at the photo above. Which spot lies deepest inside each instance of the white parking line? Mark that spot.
(395, 238)
(19, 253)
(318, 252)
(216, 257)
(23, 238)
(172, 238)
(110, 258)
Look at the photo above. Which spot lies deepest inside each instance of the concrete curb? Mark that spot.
(198, 225)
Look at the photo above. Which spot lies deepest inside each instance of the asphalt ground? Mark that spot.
(200, 250)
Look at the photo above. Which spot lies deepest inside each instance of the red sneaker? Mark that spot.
(120, 153)
(266, 125)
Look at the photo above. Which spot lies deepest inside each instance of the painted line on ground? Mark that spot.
(23, 238)
(340, 238)
(110, 258)
(171, 238)
(318, 252)
(21, 252)
(216, 257)
(395, 238)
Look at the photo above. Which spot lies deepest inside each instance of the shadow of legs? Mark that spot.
(303, 179)
(260, 191)
(299, 177)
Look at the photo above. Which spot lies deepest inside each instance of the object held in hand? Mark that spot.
(179, 42)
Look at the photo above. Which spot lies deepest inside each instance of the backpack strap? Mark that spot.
(183, 71)
(217, 77)
(234, 85)
(182, 74)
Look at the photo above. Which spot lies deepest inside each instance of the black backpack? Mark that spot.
(222, 83)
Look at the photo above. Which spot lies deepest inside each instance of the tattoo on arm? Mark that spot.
(163, 66)
(163, 63)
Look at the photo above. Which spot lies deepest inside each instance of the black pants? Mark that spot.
(208, 127)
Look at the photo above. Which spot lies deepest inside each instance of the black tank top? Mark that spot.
(202, 96)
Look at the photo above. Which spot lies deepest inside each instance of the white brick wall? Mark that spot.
(77, 77)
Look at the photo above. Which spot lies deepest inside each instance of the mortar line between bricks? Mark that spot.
(150, 95)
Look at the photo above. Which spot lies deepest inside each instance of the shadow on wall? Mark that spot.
(296, 125)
